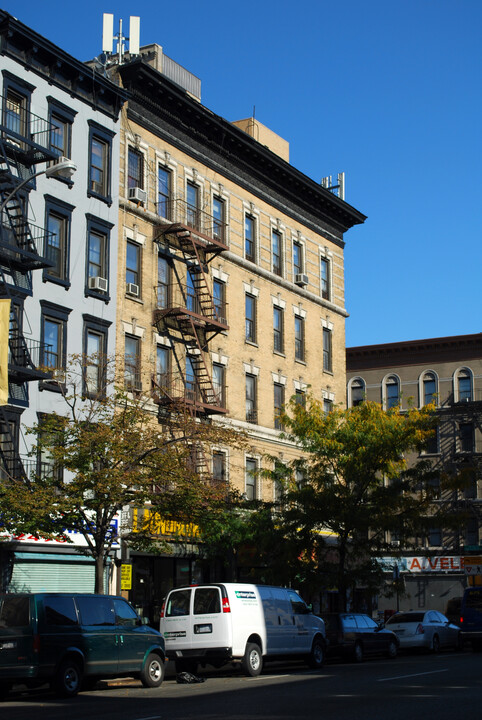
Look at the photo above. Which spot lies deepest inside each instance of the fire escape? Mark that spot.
(24, 142)
(187, 312)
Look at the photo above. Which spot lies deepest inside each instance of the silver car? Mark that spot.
(429, 630)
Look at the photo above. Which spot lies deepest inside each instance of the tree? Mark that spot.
(107, 452)
(352, 487)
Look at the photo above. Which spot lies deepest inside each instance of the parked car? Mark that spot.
(354, 635)
(429, 630)
(239, 622)
(471, 617)
(453, 610)
(71, 640)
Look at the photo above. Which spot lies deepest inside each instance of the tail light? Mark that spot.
(419, 630)
(226, 607)
(461, 620)
(163, 607)
(36, 643)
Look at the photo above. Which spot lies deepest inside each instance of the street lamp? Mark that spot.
(64, 168)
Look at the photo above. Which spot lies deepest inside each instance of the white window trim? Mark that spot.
(250, 289)
(421, 393)
(278, 379)
(250, 209)
(162, 340)
(327, 324)
(133, 235)
(352, 380)
(384, 388)
(133, 329)
(300, 385)
(277, 226)
(297, 310)
(278, 302)
(250, 369)
(258, 480)
(220, 275)
(219, 359)
(465, 369)
(299, 240)
(142, 148)
(327, 255)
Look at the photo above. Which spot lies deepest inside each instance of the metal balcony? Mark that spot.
(187, 224)
(26, 135)
(181, 307)
(177, 392)
(25, 359)
(22, 245)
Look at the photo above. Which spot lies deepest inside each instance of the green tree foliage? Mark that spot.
(351, 488)
(105, 453)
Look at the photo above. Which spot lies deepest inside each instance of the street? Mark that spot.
(445, 686)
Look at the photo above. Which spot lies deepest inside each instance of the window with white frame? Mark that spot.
(464, 385)
(250, 238)
(392, 392)
(277, 252)
(325, 278)
(429, 385)
(251, 469)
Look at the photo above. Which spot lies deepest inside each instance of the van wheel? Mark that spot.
(252, 662)
(317, 656)
(68, 678)
(152, 674)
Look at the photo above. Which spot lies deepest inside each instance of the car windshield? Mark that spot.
(405, 618)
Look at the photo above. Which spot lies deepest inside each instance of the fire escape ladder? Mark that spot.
(11, 463)
(202, 375)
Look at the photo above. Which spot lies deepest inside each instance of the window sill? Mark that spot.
(251, 342)
(301, 362)
(328, 372)
(107, 199)
(135, 299)
(98, 295)
(52, 386)
(57, 281)
(279, 353)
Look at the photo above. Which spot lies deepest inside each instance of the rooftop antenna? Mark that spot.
(338, 188)
(108, 36)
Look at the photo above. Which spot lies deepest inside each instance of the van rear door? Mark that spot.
(17, 655)
(176, 623)
(210, 624)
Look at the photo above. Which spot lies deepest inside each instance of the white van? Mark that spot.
(218, 623)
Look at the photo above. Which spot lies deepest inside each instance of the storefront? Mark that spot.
(421, 582)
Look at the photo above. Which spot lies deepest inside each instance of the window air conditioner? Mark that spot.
(98, 283)
(395, 543)
(132, 289)
(301, 279)
(137, 194)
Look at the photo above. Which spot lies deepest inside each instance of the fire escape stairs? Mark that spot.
(10, 459)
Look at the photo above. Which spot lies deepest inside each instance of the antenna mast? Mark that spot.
(108, 36)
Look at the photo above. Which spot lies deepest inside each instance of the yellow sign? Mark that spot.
(147, 520)
(4, 329)
(126, 577)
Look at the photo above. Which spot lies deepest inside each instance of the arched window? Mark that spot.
(357, 392)
(463, 386)
(392, 392)
(429, 388)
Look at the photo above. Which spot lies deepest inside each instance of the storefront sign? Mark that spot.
(147, 520)
(423, 564)
(70, 537)
(473, 565)
(126, 577)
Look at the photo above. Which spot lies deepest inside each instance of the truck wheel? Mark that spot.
(316, 657)
(68, 678)
(152, 674)
(252, 662)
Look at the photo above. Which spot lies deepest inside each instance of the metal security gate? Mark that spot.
(52, 573)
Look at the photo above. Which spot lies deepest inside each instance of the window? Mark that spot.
(327, 350)
(432, 444)
(429, 388)
(250, 238)
(192, 205)
(327, 405)
(206, 600)
(191, 380)
(297, 259)
(464, 386)
(163, 365)
(100, 142)
(60, 611)
(162, 283)
(132, 376)
(135, 169)
(251, 404)
(163, 192)
(357, 392)
(277, 252)
(61, 118)
(250, 479)
(466, 437)
(53, 331)
(219, 301)
(218, 383)
(58, 216)
(299, 338)
(97, 261)
(16, 108)
(54, 337)
(325, 278)
(435, 537)
(219, 467)
(133, 264)
(278, 323)
(300, 397)
(250, 314)
(218, 218)
(279, 400)
(95, 355)
(47, 467)
(392, 392)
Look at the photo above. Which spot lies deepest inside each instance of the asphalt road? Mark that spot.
(429, 687)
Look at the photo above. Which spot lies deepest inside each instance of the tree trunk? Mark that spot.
(99, 575)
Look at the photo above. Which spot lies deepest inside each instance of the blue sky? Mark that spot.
(388, 92)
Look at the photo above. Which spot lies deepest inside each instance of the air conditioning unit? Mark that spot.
(301, 279)
(132, 289)
(395, 543)
(137, 194)
(98, 283)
